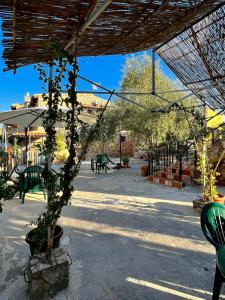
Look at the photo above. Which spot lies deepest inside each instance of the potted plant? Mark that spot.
(125, 160)
(144, 170)
(208, 174)
(45, 237)
(8, 188)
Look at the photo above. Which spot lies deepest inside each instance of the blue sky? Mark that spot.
(105, 70)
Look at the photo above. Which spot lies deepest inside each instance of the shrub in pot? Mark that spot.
(46, 235)
(59, 185)
(7, 188)
(38, 242)
(208, 174)
(125, 160)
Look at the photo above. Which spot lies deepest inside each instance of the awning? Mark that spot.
(34, 117)
(32, 29)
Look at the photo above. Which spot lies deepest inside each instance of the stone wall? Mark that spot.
(113, 148)
(46, 278)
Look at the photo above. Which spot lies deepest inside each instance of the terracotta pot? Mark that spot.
(144, 171)
(219, 198)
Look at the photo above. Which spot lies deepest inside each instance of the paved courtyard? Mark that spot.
(129, 239)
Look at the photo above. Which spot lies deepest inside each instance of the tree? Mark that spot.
(150, 127)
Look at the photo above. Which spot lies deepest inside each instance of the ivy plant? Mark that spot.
(7, 191)
(59, 185)
(208, 171)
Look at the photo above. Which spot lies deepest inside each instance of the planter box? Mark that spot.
(150, 178)
(46, 278)
(144, 171)
(176, 184)
(161, 180)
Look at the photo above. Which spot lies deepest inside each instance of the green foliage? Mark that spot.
(59, 185)
(60, 141)
(208, 171)
(148, 126)
(61, 153)
(106, 132)
(125, 159)
(7, 192)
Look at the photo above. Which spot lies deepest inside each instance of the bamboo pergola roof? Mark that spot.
(32, 29)
(197, 56)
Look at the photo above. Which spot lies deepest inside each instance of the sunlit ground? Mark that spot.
(128, 238)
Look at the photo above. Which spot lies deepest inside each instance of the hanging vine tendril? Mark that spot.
(59, 186)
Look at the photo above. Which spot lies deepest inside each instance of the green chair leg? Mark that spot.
(45, 194)
(218, 279)
(23, 197)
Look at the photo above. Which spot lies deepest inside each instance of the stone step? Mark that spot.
(165, 181)
(174, 176)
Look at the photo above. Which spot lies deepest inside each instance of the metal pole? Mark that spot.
(153, 73)
(103, 88)
(29, 145)
(26, 145)
(120, 152)
(91, 19)
(49, 161)
(180, 168)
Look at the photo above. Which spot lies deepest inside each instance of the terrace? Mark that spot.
(128, 238)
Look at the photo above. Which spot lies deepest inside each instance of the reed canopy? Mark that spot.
(197, 56)
(32, 30)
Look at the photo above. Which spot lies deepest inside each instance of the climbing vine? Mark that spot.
(59, 185)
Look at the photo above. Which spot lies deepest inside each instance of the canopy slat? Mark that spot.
(122, 27)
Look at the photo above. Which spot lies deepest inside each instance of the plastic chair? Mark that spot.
(213, 227)
(102, 161)
(30, 181)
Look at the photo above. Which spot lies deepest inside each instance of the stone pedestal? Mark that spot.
(47, 277)
(198, 205)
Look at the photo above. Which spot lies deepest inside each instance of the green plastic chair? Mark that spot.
(213, 227)
(30, 181)
(102, 161)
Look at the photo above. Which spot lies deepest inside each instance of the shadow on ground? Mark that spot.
(129, 239)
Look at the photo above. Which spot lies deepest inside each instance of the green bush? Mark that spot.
(125, 159)
(6, 191)
(62, 155)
